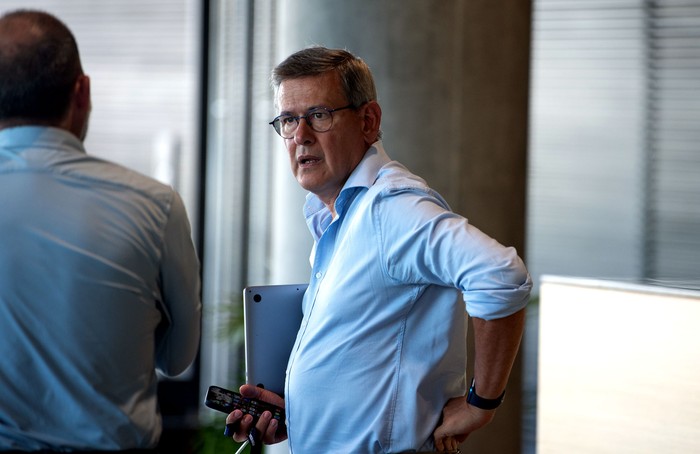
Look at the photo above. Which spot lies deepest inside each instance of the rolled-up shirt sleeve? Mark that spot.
(437, 246)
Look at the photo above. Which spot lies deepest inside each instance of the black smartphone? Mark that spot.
(226, 401)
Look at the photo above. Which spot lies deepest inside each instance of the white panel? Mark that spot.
(618, 368)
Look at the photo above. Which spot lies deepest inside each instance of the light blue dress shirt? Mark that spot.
(99, 285)
(382, 345)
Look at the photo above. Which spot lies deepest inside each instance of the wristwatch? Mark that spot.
(474, 400)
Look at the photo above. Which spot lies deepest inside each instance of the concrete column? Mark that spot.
(452, 78)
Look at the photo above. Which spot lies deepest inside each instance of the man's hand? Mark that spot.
(459, 419)
(267, 428)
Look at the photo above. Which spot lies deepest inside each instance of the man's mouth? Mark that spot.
(307, 160)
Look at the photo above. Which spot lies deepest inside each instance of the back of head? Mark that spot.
(356, 77)
(39, 64)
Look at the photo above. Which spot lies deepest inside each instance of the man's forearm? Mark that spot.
(496, 344)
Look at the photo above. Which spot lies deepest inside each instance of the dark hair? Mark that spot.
(39, 64)
(355, 75)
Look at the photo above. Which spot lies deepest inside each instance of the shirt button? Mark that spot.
(318, 275)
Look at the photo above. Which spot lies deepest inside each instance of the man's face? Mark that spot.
(322, 161)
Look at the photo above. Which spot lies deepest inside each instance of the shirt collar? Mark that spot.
(20, 137)
(364, 176)
(366, 172)
(318, 216)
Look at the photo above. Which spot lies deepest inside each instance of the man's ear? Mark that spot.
(372, 117)
(81, 92)
(80, 106)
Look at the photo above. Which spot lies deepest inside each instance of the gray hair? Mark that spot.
(356, 77)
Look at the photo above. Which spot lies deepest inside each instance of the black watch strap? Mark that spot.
(474, 400)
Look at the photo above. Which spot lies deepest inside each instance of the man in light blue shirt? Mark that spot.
(379, 364)
(99, 280)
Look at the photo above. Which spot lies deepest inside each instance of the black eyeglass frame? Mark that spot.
(276, 124)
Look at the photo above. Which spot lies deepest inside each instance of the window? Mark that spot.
(614, 190)
(672, 221)
(614, 187)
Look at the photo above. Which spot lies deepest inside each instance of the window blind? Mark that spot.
(615, 143)
(672, 246)
(587, 152)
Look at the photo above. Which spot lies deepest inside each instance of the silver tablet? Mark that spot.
(272, 316)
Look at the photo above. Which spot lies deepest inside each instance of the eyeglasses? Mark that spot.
(319, 119)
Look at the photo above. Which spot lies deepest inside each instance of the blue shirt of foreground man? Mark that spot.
(99, 281)
(379, 364)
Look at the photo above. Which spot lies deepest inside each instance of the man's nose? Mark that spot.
(304, 132)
